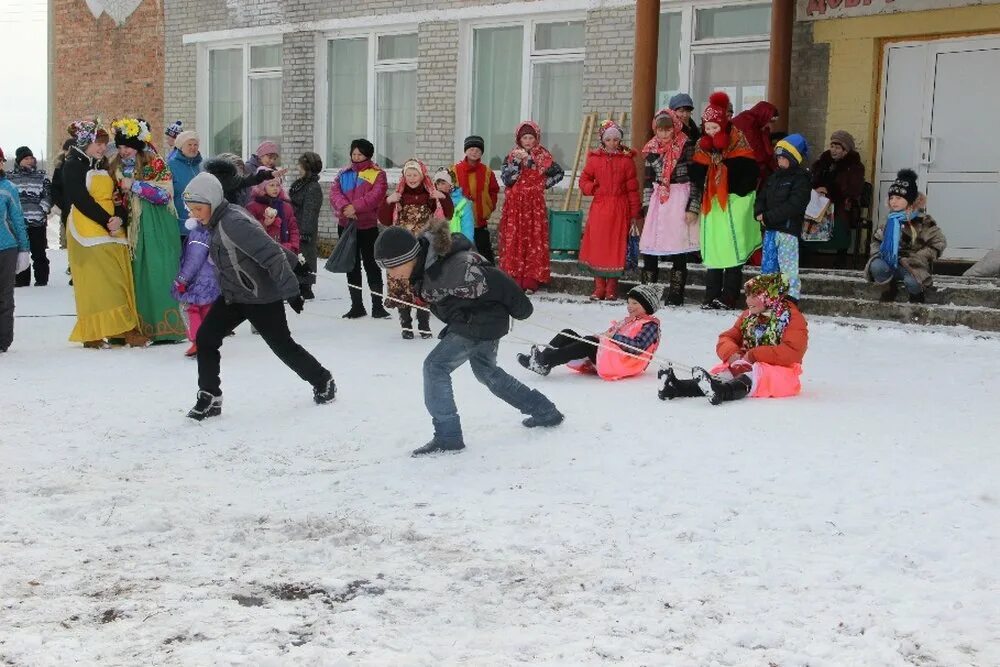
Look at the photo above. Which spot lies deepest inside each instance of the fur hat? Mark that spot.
(648, 297)
(267, 147)
(366, 147)
(843, 138)
(22, 153)
(225, 171)
(793, 147)
(681, 101)
(174, 129)
(474, 141)
(395, 246)
(905, 186)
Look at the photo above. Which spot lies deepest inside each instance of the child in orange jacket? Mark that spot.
(761, 354)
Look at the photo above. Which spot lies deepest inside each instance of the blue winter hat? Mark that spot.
(680, 101)
(794, 147)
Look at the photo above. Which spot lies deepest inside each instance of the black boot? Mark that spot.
(533, 361)
(325, 391)
(357, 306)
(406, 322)
(647, 276)
(675, 290)
(918, 298)
(732, 287)
(719, 391)
(888, 294)
(713, 290)
(378, 310)
(439, 445)
(424, 324)
(675, 388)
(306, 292)
(205, 406)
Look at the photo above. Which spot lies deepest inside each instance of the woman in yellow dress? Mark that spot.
(98, 245)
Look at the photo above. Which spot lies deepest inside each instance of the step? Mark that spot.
(973, 317)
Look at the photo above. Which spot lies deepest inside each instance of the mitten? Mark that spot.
(297, 303)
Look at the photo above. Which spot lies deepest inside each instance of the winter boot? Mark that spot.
(918, 298)
(205, 406)
(647, 276)
(732, 286)
(611, 293)
(437, 445)
(544, 420)
(378, 310)
(718, 391)
(888, 294)
(675, 290)
(600, 285)
(306, 292)
(424, 324)
(325, 391)
(357, 305)
(675, 388)
(406, 322)
(713, 290)
(135, 339)
(533, 361)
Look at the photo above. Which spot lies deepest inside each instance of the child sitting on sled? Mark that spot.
(761, 355)
(622, 351)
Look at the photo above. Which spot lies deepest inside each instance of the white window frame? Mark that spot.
(375, 67)
(529, 57)
(203, 78)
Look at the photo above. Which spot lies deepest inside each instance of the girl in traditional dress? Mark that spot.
(724, 162)
(609, 177)
(528, 170)
(146, 189)
(98, 246)
(673, 205)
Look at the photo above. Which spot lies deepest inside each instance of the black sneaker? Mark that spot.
(533, 361)
(380, 313)
(550, 419)
(407, 334)
(206, 406)
(426, 335)
(439, 445)
(325, 391)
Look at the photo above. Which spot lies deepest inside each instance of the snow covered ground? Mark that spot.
(858, 524)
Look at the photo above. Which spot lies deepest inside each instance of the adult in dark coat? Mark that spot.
(840, 175)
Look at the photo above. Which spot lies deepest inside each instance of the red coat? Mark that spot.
(610, 178)
(284, 229)
(789, 352)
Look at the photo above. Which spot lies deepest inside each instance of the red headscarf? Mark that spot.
(755, 123)
(539, 155)
(670, 150)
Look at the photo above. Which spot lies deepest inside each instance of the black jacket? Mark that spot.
(474, 298)
(783, 200)
(74, 178)
(234, 186)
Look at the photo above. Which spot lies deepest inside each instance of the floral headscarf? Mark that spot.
(541, 157)
(417, 165)
(767, 327)
(87, 131)
(670, 150)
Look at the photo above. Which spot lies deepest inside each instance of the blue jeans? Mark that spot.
(883, 273)
(450, 353)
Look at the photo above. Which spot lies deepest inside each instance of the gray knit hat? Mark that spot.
(648, 296)
(681, 101)
(204, 189)
(395, 246)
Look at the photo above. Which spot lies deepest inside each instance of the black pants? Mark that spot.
(269, 321)
(39, 241)
(483, 244)
(406, 319)
(365, 256)
(651, 264)
(563, 349)
(724, 284)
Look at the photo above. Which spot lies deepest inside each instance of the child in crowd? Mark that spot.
(781, 209)
(476, 301)
(624, 350)
(196, 285)
(761, 354)
(265, 159)
(271, 207)
(479, 184)
(527, 172)
(462, 220)
(905, 246)
(609, 177)
(255, 279)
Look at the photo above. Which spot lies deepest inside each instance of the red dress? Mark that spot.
(610, 178)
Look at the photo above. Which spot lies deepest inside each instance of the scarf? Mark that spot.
(889, 250)
(669, 151)
(539, 155)
(717, 181)
(766, 328)
(426, 184)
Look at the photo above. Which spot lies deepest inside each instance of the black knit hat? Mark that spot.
(474, 141)
(365, 146)
(905, 186)
(395, 246)
(22, 153)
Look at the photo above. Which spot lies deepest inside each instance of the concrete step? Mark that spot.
(975, 317)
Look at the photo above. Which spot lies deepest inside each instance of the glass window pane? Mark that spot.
(722, 22)
(347, 104)
(395, 117)
(395, 47)
(742, 75)
(556, 105)
(496, 89)
(264, 57)
(668, 63)
(225, 101)
(265, 110)
(563, 35)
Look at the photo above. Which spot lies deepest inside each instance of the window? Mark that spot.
(371, 92)
(244, 97)
(532, 69)
(702, 50)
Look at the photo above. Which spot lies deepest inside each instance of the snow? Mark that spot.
(857, 524)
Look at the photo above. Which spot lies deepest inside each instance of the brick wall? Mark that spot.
(106, 70)
(809, 86)
(437, 80)
(607, 70)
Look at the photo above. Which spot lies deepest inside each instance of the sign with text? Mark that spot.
(814, 10)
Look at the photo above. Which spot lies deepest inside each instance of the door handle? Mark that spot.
(927, 152)
(932, 143)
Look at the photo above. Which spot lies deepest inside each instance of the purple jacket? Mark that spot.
(197, 272)
(362, 184)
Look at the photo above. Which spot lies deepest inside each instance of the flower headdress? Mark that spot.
(86, 131)
(132, 132)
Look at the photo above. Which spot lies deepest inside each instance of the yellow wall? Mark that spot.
(856, 61)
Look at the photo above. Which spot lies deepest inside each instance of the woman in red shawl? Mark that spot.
(609, 177)
(755, 124)
(528, 170)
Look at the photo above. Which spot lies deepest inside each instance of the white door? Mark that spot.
(936, 105)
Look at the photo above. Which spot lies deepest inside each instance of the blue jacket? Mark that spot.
(463, 221)
(12, 230)
(183, 169)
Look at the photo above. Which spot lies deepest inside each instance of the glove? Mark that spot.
(740, 366)
(23, 261)
(180, 287)
(297, 303)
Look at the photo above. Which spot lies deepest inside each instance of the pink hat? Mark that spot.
(267, 147)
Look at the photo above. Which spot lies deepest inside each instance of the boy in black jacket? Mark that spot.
(781, 208)
(476, 301)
